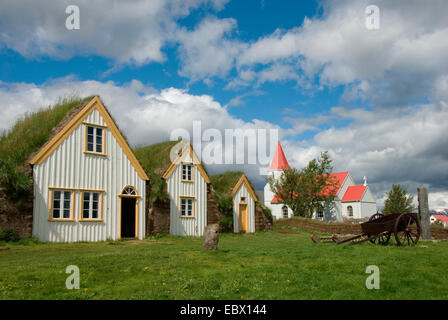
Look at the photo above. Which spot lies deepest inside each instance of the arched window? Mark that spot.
(285, 211)
(350, 211)
(129, 191)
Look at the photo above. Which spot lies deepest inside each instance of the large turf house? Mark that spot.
(88, 185)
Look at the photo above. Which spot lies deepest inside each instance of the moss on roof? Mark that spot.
(224, 183)
(26, 137)
(155, 159)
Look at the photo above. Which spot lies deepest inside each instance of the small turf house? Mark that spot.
(246, 212)
(187, 186)
(244, 200)
(88, 185)
(182, 199)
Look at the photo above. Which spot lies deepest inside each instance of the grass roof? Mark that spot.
(155, 159)
(26, 137)
(224, 183)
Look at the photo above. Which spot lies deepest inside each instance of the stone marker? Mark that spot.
(211, 237)
(423, 212)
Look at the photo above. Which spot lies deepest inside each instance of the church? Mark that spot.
(351, 201)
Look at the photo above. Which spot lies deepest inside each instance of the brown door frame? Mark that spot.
(136, 197)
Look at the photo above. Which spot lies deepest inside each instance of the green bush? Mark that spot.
(267, 212)
(29, 241)
(226, 224)
(9, 235)
(225, 205)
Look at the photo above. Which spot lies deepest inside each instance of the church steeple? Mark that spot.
(279, 162)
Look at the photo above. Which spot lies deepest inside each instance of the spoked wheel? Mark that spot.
(383, 239)
(407, 229)
(376, 216)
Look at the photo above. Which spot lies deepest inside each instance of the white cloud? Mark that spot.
(125, 32)
(394, 65)
(207, 51)
(144, 114)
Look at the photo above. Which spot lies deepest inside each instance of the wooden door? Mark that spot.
(242, 218)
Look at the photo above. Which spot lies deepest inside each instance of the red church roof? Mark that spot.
(276, 199)
(279, 162)
(338, 178)
(354, 193)
(441, 217)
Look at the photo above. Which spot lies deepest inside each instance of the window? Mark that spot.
(243, 199)
(187, 170)
(285, 211)
(320, 213)
(350, 211)
(187, 207)
(91, 205)
(95, 140)
(129, 191)
(61, 205)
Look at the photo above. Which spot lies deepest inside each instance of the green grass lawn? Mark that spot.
(256, 266)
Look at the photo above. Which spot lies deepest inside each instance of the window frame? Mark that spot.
(104, 132)
(283, 212)
(320, 214)
(123, 194)
(193, 209)
(350, 211)
(51, 191)
(100, 205)
(182, 172)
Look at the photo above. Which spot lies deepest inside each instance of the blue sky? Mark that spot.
(311, 69)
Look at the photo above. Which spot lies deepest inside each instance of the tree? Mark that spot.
(398, 201)
(308, 189)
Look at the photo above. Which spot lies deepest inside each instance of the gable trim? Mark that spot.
(178, 160)
(95, 103)
(340, 187)
(249, 188)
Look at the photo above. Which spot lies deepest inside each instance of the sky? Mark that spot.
(375, 99)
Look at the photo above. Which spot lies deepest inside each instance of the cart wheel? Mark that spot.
(383, 239)
(376, 216)
(407, 229)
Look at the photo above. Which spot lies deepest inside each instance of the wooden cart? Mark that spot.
(404, 226)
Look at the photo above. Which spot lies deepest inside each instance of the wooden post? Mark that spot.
(423, 212)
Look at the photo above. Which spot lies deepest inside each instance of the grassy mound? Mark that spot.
(224, 183)
(27, 136)
(155, 159)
